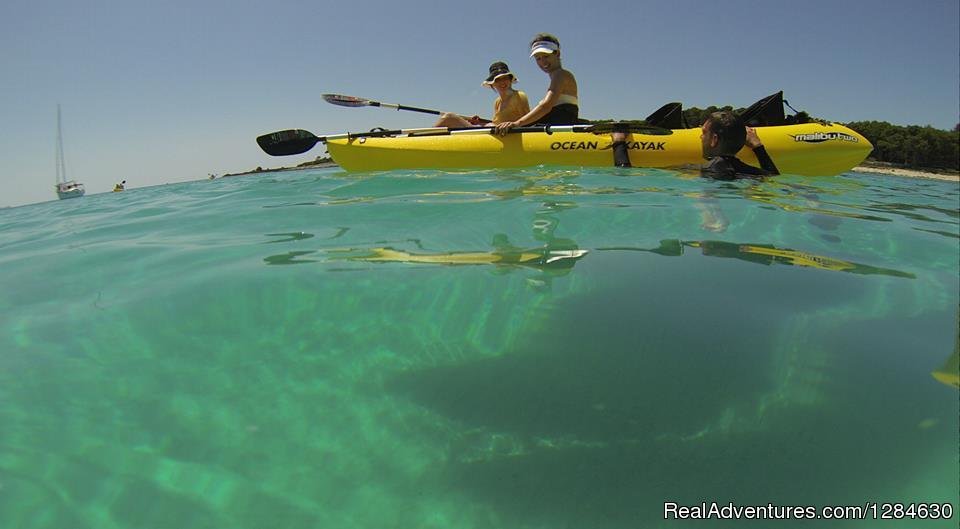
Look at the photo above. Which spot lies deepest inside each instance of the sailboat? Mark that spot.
(65, 188)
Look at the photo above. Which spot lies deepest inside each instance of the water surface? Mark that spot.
(543, 348)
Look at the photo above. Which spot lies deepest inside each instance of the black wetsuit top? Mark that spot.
(731, 168)
(565, 114)
(718, 167)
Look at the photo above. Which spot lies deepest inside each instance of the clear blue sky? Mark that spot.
(157, 92)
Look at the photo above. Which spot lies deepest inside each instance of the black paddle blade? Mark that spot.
(287, 142)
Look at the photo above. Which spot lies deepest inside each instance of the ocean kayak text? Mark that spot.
(592, 145)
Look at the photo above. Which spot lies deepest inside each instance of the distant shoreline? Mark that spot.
(300, 167)
(877, 167)
(866, 167)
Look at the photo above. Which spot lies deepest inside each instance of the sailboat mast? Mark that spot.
(61, 164)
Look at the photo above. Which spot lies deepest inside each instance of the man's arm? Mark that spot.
(766, 163)
(767, 167)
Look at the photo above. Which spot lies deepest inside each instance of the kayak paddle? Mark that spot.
(354, 101)
(297, 141)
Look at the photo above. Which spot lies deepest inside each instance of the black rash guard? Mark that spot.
(730, 168)
(565, 114)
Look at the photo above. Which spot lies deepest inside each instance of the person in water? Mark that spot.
(721, 138)
(560, 105)
(510, 104)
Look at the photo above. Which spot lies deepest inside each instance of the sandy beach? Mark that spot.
(954, 177)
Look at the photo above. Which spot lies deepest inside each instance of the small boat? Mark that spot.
(811, 149)
(70, 189)
(65, 188)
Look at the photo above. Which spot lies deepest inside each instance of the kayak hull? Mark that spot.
(812, 149)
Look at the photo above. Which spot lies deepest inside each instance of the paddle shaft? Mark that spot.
(354, 101)
(404, 107)
(416, 109)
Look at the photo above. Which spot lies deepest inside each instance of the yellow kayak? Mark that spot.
(813, 149)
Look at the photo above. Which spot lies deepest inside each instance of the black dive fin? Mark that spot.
(766, 112)
(669, 116)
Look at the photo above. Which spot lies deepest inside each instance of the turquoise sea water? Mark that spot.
(314, 349)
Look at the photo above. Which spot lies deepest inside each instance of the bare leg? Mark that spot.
(621, 158)
(452, 120)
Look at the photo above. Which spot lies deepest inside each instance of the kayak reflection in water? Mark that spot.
(949, 372)
(555, 254)
(765, 254)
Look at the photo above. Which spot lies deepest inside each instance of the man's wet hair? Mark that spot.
(731, 131)
(545, 36)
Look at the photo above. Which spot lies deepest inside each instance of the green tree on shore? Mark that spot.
(912, 146)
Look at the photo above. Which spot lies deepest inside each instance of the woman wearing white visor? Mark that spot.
(560, 105)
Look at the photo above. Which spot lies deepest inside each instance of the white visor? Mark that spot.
(544, 46)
